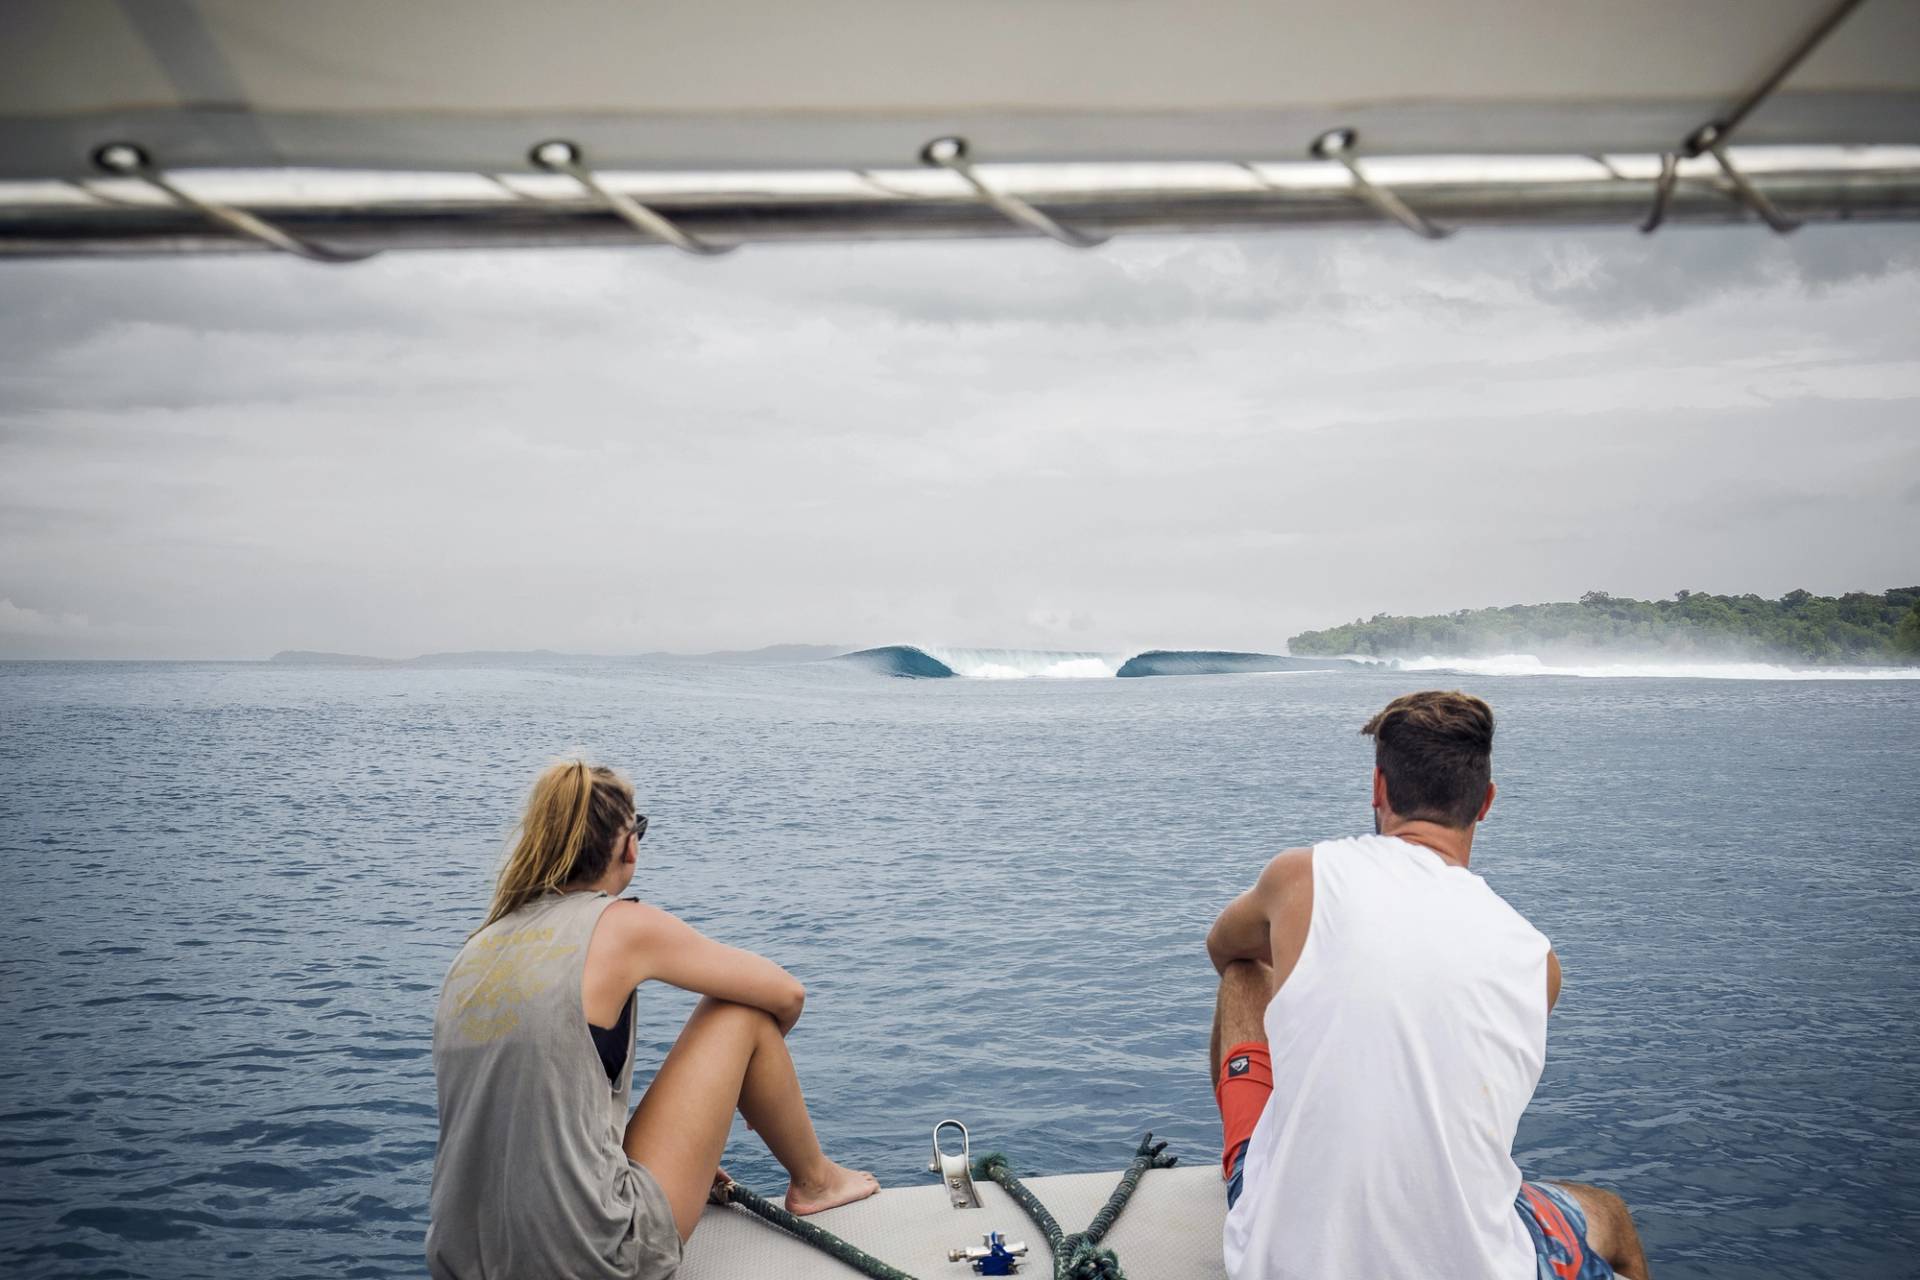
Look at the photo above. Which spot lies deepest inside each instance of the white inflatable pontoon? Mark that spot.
(1170, 1230)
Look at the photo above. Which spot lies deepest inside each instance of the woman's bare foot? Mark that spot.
(838, 1186)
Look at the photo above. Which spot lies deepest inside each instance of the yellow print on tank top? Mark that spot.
(497, 976)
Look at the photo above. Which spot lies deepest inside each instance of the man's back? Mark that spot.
(1405, 1043)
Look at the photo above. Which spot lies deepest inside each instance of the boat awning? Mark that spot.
(734, 104)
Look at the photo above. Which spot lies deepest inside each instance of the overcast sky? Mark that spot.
(1178, 442)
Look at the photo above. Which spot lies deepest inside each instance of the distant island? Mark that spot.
(1856, 628)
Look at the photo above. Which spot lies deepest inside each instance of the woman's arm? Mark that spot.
(656, 944)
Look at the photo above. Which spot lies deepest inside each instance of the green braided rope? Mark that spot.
(825, 1241)
(1077, 1256)
(994, 1166)
(1149, 1155)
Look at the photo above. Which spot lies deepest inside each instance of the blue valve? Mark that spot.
(998, 1261)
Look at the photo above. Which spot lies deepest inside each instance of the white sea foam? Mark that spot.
(1027, 664)
(1526, 664)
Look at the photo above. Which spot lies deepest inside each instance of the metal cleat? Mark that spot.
(955, 1170)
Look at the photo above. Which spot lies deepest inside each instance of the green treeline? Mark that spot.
(1798, 627)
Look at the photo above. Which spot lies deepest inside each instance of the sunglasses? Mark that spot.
(639, 828)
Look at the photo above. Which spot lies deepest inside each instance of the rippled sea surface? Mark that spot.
(232, 891)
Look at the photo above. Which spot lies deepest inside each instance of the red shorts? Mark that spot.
(1246, 1082)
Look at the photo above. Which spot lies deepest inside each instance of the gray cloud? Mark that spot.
(1623, 275)
(1174, 441)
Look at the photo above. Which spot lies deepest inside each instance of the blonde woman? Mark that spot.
(540, 1171)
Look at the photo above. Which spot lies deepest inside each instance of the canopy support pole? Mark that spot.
(1338, 145)
(125, 160)
(1727, 123)
(563, 157)
(950, 153)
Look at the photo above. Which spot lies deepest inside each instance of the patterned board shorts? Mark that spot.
(1554, 1219)
(1558, 1226)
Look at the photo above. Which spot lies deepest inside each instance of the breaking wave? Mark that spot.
(1217, 662)
(936, 663)
(1526, 664)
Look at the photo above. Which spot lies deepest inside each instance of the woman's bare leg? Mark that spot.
(732, 1057)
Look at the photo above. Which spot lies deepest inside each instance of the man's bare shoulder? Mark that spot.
(1289, 870)
(1286, 887)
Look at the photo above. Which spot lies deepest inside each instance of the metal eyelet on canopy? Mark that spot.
(950, 153)
(125, 160)
(1338, 145)
(559, 156)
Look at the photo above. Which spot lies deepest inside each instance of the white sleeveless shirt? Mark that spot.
(1406, 1043)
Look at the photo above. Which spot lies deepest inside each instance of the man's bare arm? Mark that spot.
(1266, 916)
(1553, 979)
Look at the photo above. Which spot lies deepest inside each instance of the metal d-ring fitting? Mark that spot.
(1339, 145)
(1662, 192)
(951, 153)
(558, 156)
(126, 160)
(1710, 139)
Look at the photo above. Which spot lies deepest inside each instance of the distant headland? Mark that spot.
(1858, 627)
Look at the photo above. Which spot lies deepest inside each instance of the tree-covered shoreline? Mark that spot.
(1856, 628)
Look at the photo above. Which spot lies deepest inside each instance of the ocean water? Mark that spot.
(232, 891)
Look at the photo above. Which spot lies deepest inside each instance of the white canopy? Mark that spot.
(471, 86)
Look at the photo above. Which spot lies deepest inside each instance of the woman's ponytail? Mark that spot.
(573, 817)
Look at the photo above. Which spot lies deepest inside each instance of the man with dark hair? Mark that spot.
(1380, 1028)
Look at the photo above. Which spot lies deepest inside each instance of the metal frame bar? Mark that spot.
(351, 222)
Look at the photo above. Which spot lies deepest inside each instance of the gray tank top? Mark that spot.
(530, 1178)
